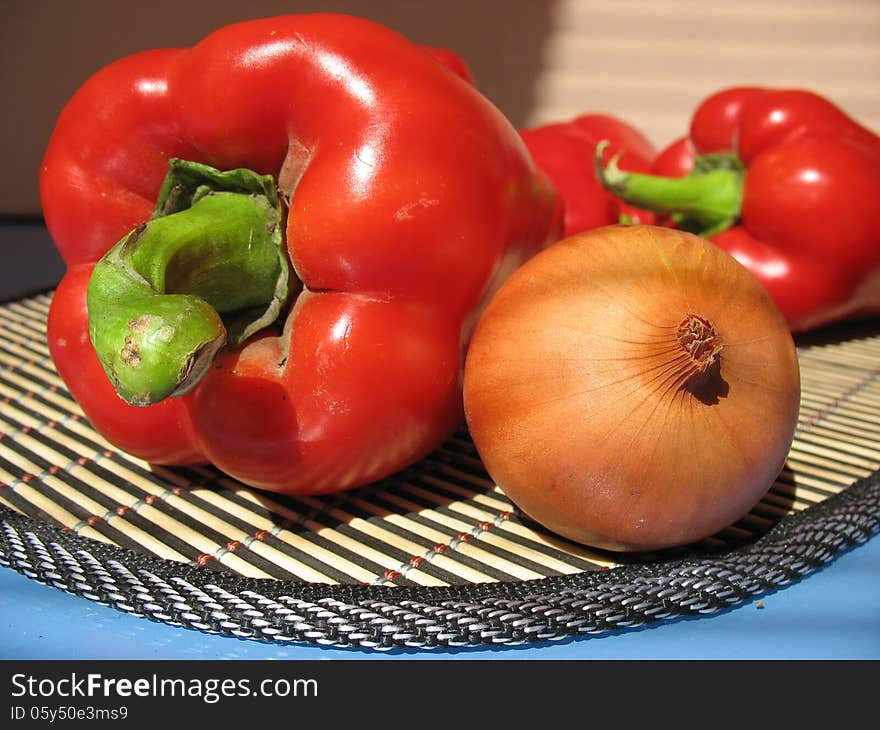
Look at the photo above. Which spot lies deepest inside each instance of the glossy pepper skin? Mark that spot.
(807, 223)
(564, 151)
(410, 199)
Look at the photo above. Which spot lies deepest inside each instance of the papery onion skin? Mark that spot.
(633, 388)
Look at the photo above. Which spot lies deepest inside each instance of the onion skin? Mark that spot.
(632, 388)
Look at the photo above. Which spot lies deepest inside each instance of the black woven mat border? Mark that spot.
(467, 615)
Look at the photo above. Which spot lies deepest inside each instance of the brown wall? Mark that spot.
(49, 47)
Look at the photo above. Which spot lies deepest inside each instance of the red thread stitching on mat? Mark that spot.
(841, 400)
(415, 561)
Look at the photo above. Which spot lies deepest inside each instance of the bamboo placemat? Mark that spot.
(439, 524)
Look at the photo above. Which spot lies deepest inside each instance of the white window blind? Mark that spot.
(652, 61)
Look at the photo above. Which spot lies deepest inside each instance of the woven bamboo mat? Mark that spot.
(441, 522)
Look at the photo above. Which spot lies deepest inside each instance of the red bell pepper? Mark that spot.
(564, 152)
(788, 184)
(291, 227)
(452, 61)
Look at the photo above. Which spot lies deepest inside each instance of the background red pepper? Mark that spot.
(565, 152)
(411, 198)
(452, 61)
(807, 224)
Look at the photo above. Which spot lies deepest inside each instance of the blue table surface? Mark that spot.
(833, 613)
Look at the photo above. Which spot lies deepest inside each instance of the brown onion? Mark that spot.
(632, 388)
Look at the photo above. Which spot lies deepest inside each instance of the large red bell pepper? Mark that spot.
(788, 184)
(564, 152)
(339, 206)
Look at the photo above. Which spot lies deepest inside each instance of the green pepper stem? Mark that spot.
(208, 268)
(706, 202)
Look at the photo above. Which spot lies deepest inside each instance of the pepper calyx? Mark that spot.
(706, 201)
(208, 268)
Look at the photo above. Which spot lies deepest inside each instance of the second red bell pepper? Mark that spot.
(564, 152)
(290, 228)
(788, 184)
